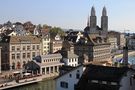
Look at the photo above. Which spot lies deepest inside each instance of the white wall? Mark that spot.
(70, 80)
(74, 63)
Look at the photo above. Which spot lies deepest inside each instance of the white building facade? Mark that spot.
(71, 60)
(69, 80)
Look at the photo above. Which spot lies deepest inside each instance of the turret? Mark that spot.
(104, 12)
(93, 11)
(104, 21)
(93, 19)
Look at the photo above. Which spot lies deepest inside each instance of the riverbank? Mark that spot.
(27, 81)
(21, 82)
(121, 55)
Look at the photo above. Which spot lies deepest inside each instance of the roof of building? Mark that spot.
(48, 56)
(20, 39)
(56, 55)
(71, 38)
(101, 73)
(70, 55)
(105, 73)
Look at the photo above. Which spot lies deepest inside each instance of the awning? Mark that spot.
(26, 74)
(16, 72)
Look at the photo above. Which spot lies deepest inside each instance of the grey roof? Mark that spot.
(101, 73)
(72, 55)
(49, 56)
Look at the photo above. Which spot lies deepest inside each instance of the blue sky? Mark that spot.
(69, 13)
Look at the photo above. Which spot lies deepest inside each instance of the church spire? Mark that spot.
(104, 21)
(104, 12)
(93, 13)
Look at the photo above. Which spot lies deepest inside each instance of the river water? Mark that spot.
(44, 85)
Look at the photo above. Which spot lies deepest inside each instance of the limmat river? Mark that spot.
(43, 85)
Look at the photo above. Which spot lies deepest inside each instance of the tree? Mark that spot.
(56, 30)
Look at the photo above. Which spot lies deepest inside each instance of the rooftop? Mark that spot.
(101, 73)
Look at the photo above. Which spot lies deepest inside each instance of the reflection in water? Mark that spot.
(44, 85)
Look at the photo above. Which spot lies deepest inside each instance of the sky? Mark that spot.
(69, 14)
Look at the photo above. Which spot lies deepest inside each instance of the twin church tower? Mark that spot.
(93, 28)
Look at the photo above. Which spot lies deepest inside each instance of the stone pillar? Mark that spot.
(53, 69)
(57, 68)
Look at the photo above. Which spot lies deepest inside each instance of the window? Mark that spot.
(64, 84)
(70, 75)
(33, 54)
(23, 47)
(13, 48)
(13, 56)
(69, 60)
(77, 76)
(33, 47)
(18, 48)
(37, 46)
(47, 70)
(28, 55)
(5, 48)
(18, 55)
(28, 47)
(55, 68)
(24, 55)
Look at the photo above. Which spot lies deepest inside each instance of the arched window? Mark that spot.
(18, 65)
(24, 64)
(13, 65)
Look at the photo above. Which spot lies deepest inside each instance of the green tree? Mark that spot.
(56, 30)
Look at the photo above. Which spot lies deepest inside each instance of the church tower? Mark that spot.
(93, 19)
(104, 20)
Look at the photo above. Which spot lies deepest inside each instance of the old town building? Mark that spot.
(120, 38)
(56, 44)
(47, 65)
(69, 58)
(18, 50)
(95, 43)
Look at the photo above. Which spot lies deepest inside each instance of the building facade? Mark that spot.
(120, 38)
(45, 44)
(56, 44)
(47, 65)
(18, 50)
(95, 43)
(68, 55)
(69, 80)
(113, 42)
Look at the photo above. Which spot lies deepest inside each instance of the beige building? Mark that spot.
(18, 50)
(47, 65)
(95, 51)
(45, 44)
(56, 44)
(120, 38)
